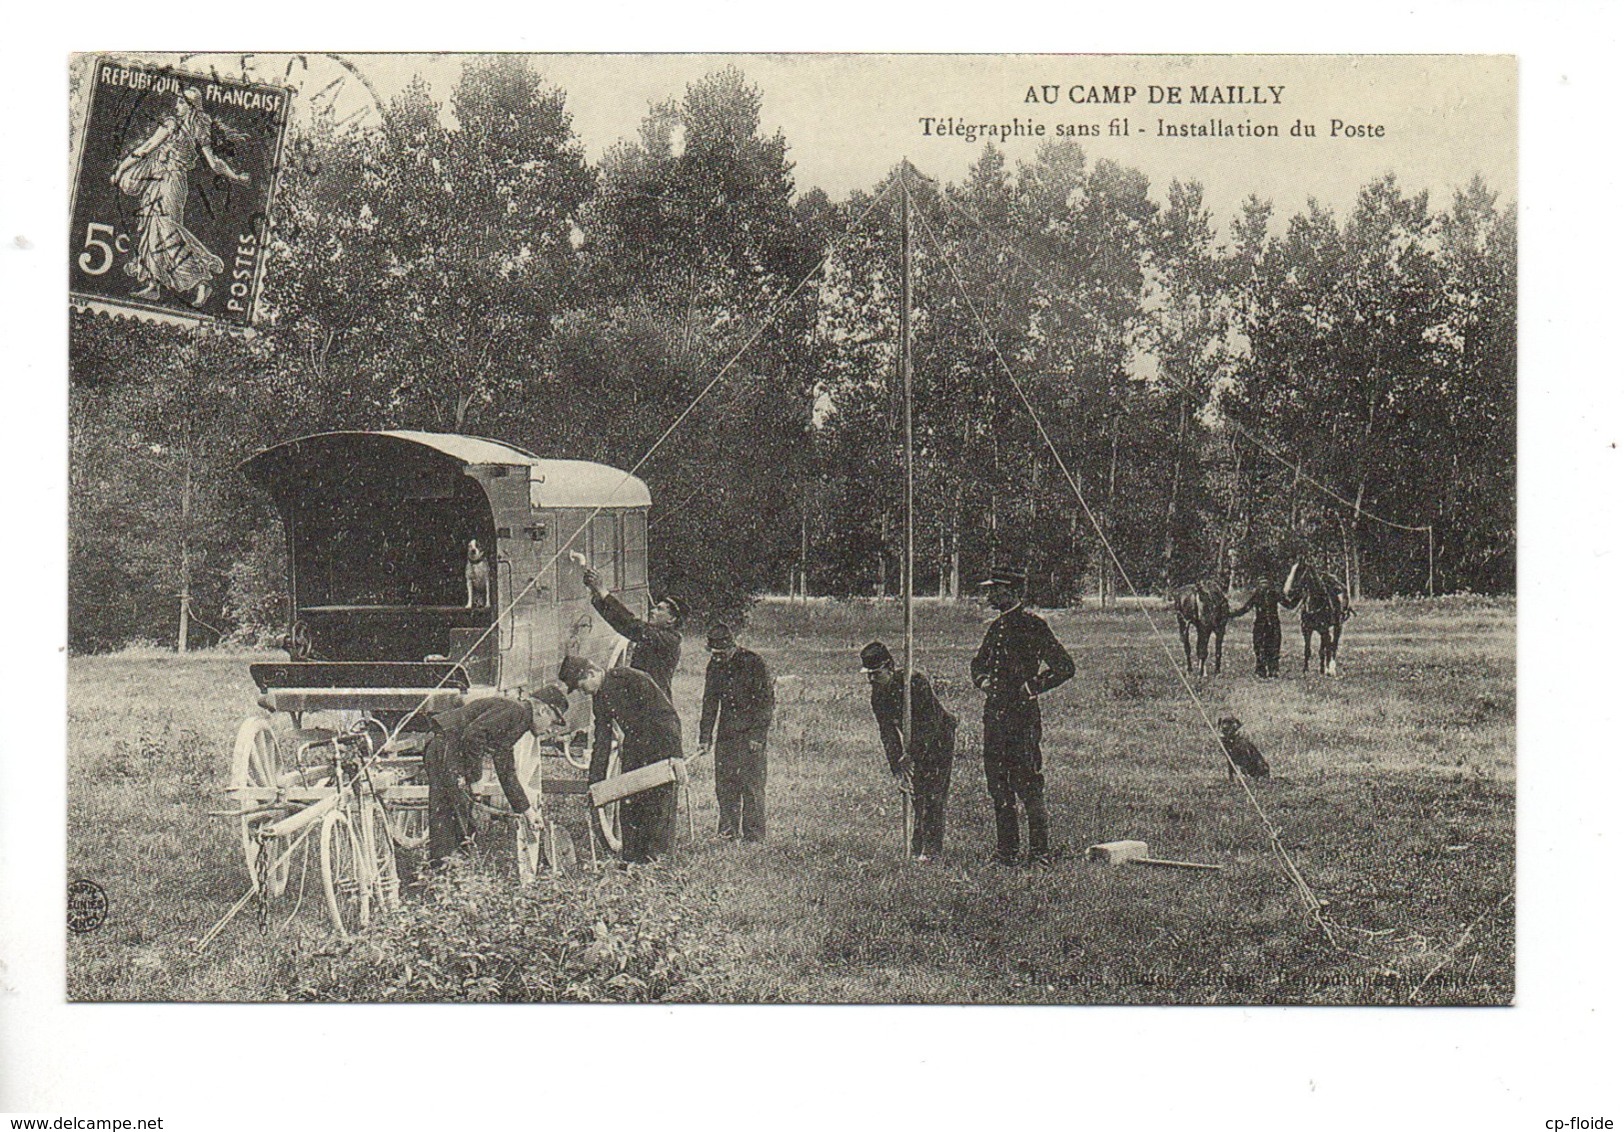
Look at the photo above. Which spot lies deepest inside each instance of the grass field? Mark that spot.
(1394, 793)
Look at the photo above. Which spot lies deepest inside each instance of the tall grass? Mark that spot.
(1393, 791)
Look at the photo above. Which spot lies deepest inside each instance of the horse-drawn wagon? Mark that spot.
(423, 569)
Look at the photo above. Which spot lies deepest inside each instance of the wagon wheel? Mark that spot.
(528, 848)
(374, 731)
(256, 761)
(344, 874)
(408, 825)
(609, 816)
(380, 850)
(297, 641)
(578, 749)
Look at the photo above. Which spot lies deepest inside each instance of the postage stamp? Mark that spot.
(172, 191)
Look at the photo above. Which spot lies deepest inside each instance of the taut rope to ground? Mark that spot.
(1311, 901)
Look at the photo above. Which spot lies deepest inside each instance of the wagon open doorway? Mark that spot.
(378, 529)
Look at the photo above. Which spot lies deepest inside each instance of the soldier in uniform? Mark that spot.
(454, 758)
(926, 767)
(1018, 661)
(738, 711)
(656, 643)
(649, 733)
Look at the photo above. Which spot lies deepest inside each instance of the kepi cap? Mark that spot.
(1004, 576)
(573, 670)
(876, 656)
(553, 698)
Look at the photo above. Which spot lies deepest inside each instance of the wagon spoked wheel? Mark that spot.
(408, 825)
(578, 749)
(297, 642)
(609, 816)
(528, 848)
(380, 850)
(256, 762)
(345, 876)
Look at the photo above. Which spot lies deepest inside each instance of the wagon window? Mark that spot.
(636, 552)
(604, 558)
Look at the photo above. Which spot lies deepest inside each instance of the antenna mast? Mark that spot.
(908, 477)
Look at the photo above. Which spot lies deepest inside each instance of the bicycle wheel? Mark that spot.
(345, 875)
(380, 851)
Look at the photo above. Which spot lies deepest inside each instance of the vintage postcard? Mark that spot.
(987, 530)
(735, 529)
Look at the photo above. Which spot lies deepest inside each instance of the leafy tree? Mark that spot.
(425, 260)
(1475, 407)
(696, 241)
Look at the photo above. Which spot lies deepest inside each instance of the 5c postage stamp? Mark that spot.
(172, 191)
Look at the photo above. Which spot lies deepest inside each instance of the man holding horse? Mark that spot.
(1264, 603)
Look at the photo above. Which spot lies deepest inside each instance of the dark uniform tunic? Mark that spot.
(1265, 602)
(649, 733)
(739, 706)
(1019, 660)
(929, 758)
(656, 649)
(462, 738)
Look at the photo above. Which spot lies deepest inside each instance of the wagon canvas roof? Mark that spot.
(553, 483)
(468, 449)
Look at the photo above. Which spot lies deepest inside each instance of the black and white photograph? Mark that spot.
(682, 566)
(559, 542)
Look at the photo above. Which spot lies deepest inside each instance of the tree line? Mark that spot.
(1212, 393)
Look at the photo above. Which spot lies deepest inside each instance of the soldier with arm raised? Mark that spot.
(656, 643)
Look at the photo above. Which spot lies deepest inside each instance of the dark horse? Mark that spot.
(1206, 606)
(1325, 607)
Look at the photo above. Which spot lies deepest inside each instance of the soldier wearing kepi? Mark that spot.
(454, 758)
(739, 712)
(926, 767)
(1019, 660)
(656, 643)
(649, 733)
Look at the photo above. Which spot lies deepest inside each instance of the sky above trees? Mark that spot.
(849, 119)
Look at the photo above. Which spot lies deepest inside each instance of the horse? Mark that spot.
(1325, 606)
(1205, 605)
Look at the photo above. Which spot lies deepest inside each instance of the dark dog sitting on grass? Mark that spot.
(1242, 751)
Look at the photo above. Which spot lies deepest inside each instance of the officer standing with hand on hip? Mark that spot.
(739, 711)
(1019, 660)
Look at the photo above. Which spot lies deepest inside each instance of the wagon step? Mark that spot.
(356, 699)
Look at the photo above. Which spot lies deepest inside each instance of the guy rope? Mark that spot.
(1311, 902)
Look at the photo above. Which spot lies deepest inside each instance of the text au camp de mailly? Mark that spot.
(1119, 94)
